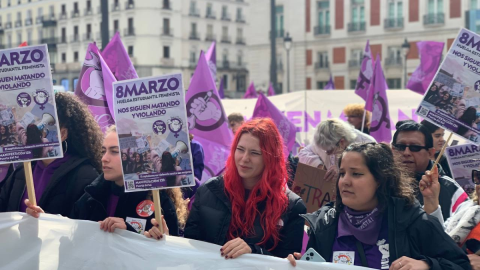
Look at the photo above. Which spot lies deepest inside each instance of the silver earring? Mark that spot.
(66, 147)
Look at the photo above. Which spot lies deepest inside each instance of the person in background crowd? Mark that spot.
(444, 102)
(468, 118)
(106, 201)
(331, 138)
(4, 135)
(414, 145)
(169, 164)
(198, 166)
(235, 120)
(464, 223)
(376, 221)
(60, 182)
(433, 94)
(250, 209)
(438, 134)
(354, 114)
(477, 121)
(460, 108)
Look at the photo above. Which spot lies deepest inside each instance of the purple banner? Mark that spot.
(117, 59)
(430, 57)
(366, 73)
(251, 92)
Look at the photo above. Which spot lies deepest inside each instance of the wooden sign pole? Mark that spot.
(27, 166)
(158, 208)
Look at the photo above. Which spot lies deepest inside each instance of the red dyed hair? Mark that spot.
(271, 188)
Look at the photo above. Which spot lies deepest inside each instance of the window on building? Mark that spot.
(52, 12)
(64, 57)
(321, 84)
(9, 3)
(435, 6)
(240, 32)
(130, 25)
(224, 31)
(64, 9)
(474, 4)
(193, 8)
(194, 29)
(394, 55)
(239, 14)
(210, 30)
(89, 5)
(322, 60)
(356, 57)
(279, 21)
(241, 82)
(64, 35)
(394, 83)
(29, 37)
(19, 16)
(9, 40)
(225, 81)
(358, 11)
(75, 56)
(395, 9)
(65, 83)
(75, 81)
(75, 7)
(116, 26)
(323, 14)
(89, 31)
(224, 12)
(166, 26)
(240, 58)
(40, 34)
(75, 33)
(130, 51)
(19, 2)
(209, 9)
(193, 56)
(166, 52)
(19, 38)
(353, 84)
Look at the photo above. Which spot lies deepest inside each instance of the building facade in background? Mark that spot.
(329, 37)
(161, 36)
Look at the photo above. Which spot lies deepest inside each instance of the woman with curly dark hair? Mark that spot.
(376, 222)
(60, 182)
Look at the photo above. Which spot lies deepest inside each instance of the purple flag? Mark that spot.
(377, 103)
(212, 59)
(366, 73)
(251, 92)
(330, 85)
(118, 60)
(221, 92)
(265, 108)
(430, 57)
(91, 87)
(207, 119)
(271, 91)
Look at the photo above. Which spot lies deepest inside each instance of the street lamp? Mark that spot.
(405, 50)
(287, 42)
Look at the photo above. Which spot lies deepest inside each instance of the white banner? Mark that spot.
(306, 109)
(54, 242)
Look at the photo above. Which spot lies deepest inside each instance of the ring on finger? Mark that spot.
(400, 264)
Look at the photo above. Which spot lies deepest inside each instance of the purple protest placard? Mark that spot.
(251, 92)
(430, 57)
(377, 103)
(117, 59)
(91, 86)
(207, 119)
(265, 108)
(453, 97)
(366, 73)
(462, 160)
(27, 104)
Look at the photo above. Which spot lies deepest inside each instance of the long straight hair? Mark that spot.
(271, 188)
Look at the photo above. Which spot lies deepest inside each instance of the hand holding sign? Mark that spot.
(155, 232)
(430, 189)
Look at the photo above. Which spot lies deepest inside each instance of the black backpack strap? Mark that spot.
(361, 252)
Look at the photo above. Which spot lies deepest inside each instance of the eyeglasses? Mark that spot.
(413, 148)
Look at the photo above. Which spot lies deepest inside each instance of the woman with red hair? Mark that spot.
(250, 209)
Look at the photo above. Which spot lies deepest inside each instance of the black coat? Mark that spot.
(93, 205)
(411, 233)
(64, 189)
(211, 213)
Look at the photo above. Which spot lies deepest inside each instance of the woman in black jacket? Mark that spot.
(250, 209)
(60, 182)
(376, 221)
(106, 201)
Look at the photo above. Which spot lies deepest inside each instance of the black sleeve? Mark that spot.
(192, 227)
(85, 175)
(291, 240)
(5, 192)
(436, 247)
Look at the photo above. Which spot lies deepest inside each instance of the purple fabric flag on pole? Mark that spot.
(265, 108)
(251, 92)
(377, 103)
(212, 59)
(207, 119)
(366, 73)
(91, 87)
(221, 92)
(117, 59)
(430, 59)
(271, 91)
(330, 85)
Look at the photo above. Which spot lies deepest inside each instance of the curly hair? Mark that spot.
(392, 179)
(357, 109)
(271, 188)
(84, 134)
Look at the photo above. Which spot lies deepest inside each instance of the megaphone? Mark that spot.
(180, 147)
(47, 119)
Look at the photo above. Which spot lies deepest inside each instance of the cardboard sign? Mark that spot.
(151, 115)
(462, 160)
(310, 185)
(28, 116)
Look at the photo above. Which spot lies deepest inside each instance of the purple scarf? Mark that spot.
(364, 226)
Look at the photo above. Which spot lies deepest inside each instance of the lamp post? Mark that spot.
(405, 50)
(287, 42)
